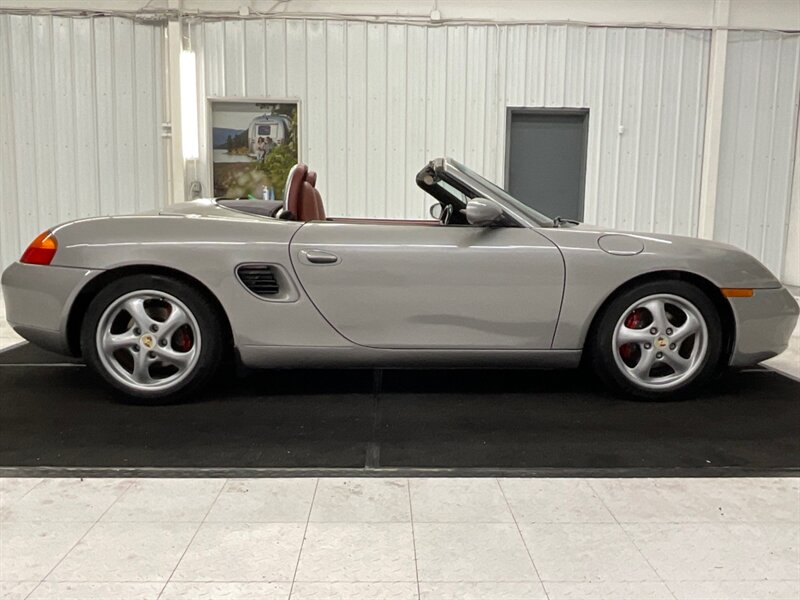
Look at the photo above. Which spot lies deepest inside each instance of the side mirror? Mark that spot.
(436, 211)
(482, 212)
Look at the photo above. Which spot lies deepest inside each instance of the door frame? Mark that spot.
(541, 111)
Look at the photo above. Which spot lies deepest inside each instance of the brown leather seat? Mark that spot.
(320, 206)
(294, 189)
(303, 201)
(308, 209)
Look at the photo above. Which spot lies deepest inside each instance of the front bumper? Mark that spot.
(38, 299)
(764, 324)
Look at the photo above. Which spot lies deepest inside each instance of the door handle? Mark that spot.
(319, 257)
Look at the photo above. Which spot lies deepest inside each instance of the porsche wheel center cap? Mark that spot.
(661, 342)
(148, 341)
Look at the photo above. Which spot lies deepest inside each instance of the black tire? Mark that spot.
(205, 314)
(601, 346)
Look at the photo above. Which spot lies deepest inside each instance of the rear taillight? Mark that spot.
(42, 250)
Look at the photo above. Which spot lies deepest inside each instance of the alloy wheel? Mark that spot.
(148, 340)
(660, 341)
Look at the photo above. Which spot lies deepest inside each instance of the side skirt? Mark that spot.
(353, 356)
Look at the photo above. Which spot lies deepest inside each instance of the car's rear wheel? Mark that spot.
(659, 340)
(152, 337)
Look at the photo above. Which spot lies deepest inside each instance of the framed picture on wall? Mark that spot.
(254, 146)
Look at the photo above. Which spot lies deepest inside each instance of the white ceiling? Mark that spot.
(748, 14)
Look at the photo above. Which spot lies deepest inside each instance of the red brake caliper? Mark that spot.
(632, 321)
(182, 341)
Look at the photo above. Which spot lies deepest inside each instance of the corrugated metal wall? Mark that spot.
(81, 104)
(759, 125)
(378, 100)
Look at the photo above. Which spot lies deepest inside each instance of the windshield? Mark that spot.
(503, 195)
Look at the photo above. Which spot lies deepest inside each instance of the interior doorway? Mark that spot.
(546, 159)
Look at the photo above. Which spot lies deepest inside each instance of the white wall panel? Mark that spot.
(380, 99)
(759, 125)
(356, 132)
(80, 113)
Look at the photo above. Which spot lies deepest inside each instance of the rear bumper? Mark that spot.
(764, 324)
(38, 299)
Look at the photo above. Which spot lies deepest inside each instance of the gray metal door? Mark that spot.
(546, 159)
(427, 286)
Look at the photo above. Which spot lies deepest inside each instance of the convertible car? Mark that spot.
(155, 302)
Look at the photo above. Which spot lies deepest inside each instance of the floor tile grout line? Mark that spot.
(303, 541)
(194, 535)
(37, 484)
(746, 580)
(401, 521)
(669, 589)
(182, 581)
(80, 539)
(522, 537)
(599, 496)
(726, 524)
(589, 581)
(413, 537)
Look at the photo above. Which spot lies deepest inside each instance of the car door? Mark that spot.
(428, 286)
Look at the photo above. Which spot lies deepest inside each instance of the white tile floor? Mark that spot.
(788, 362)
(400, 538)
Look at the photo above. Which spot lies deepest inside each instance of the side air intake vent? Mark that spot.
(259, 279)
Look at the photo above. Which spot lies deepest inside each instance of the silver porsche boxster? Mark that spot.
(155, 302)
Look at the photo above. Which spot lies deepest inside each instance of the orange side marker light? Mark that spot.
(737, 292)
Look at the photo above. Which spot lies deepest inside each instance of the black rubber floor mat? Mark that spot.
(495, 421)
(748, 420)
(57, 416)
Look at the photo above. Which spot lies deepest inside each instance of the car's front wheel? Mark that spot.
(659, 340)
(152, 337)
